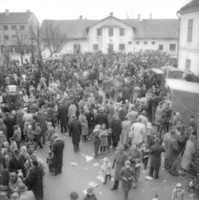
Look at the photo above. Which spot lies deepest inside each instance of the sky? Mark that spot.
(95, 9)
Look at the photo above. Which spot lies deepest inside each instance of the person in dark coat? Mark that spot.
(118, 162)
(75, 129)
(116, 127)
(9, 122)
(16, 163)
(42, 119)
(34, 180)
(57, 148)
(63, 117)
(4, 175)
(155, 156)
(101, 118)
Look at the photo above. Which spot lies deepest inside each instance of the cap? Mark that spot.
(127, 162)
(178, 185)
(89, 190)
(13, 174)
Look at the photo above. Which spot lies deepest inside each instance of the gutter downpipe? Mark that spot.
(178, 15)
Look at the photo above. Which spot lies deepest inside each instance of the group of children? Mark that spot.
(102, 139)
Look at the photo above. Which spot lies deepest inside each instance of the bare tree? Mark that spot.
(52, 38)
(35, 37)
(22, 43)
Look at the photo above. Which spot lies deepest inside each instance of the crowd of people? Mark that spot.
(111, 100)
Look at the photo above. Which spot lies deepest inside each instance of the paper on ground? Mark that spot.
(149, 178)
(100, 177)
(73, 163)
(84, 191)
(93, 184)
(89, 158)
(96, 165)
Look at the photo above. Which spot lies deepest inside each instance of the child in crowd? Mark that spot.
(106, 167)
(50, 131)
(97, 140)
(104, 138)
(49, 161)
(29, 134)
(90, 195)
(145, 155)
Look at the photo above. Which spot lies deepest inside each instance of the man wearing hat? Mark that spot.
(118, 162)
(155, 156)
(127, 177)
(75, 129)
(57, 148)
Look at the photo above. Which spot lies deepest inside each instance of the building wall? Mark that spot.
(104, 40)
(189, 50)
(153, 44)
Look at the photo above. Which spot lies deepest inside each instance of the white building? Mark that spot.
(120, 35)
(188, 57)
(15, 36)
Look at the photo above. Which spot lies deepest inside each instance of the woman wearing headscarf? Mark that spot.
(188, 153)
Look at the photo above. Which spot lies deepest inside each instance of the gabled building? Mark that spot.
(188, 58)
(15, 36)
(119, 35)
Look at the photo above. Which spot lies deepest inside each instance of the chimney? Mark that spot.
(80, 17)
(111, 14)
(139, 17)
(150, 15)
(28, 11)
(6, 12)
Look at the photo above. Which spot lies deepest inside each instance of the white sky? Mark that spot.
(94, 9)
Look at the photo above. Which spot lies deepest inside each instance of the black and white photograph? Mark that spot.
(99, 99)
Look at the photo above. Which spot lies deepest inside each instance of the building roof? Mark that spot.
(15, 17)
(155, 28)
(145, 29)
(73, 29)
(191, 6)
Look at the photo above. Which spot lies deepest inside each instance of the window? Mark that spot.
(5, 27)
(122, 32)
(95, 47)
(137, 42)
(172, 47)
(14, 37)
(76, 48)
(110, 32)
(130, 42)
(14, 27)
(161, 47)
(122, 47)
(99, 32)
(145, 42)
(153, 42)
(6, 37)
(190, 30)
(22, 27)
(188, 65)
